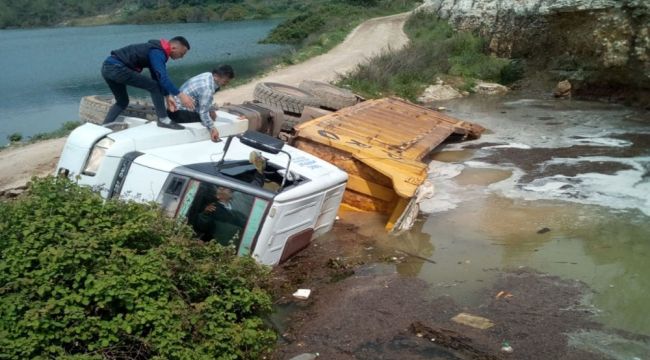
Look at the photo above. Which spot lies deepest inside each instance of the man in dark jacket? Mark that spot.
(220, 221)
(123, 68)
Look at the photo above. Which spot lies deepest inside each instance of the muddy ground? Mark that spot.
(355, 314)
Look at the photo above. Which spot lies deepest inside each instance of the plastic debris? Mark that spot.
(505, 347)
(474, 321)
(305, 356)
(503, 294)
(302, 294)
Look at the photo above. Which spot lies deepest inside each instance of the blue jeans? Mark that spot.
(118, 77)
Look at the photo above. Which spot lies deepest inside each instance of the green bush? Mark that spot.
(296, 29)
(84, 278)
(15, 137)
(513, 71)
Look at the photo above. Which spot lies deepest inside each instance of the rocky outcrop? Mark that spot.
(439, 92)
(562, 89)
(486, 88)
(587, 41)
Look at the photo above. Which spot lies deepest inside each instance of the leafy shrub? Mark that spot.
(512, 72)
(81, 277)
(296, 29)
(15, 137)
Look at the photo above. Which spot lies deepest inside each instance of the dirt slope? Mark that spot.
(18, 165)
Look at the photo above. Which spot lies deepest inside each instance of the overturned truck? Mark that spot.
(382, 145)
(379, 146)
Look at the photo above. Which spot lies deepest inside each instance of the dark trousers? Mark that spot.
(184, 116)
(118, 77)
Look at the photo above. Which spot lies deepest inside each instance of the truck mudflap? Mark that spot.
(381, 144)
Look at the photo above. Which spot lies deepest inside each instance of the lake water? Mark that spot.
(45, 72)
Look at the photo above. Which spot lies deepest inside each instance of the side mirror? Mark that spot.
(261, 142)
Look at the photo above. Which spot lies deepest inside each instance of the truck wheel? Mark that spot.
(330, 96)
(288, 98)
(93, 109)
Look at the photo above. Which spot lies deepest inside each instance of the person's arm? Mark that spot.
(159, 72)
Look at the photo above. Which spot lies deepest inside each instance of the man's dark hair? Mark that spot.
(183, 41)
(224, 71)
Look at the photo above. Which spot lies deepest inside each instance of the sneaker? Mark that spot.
(172, 125)
(258, 161)
(116, 126)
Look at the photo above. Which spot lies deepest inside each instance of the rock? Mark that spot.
(13, 192)
(438, 93)
(474, 321)
(305, 356)
(486, 88)
(562, 89)
(598, 42)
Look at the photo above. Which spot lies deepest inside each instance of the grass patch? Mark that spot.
(65, 129)
(435, 49)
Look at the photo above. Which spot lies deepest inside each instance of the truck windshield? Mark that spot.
(219, 213)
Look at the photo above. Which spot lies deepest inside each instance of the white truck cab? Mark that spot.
(270, 214)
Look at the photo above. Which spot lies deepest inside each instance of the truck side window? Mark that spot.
(218, 213)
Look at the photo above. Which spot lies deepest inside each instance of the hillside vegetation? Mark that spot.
(435, 49)
(30, 13)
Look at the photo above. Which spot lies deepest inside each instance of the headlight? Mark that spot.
(96, 156)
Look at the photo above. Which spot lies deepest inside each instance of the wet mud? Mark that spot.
(354, 313)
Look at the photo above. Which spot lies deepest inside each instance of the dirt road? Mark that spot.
(18, 165)
(367, 40)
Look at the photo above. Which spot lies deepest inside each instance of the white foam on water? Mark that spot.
(603, 141)
(509, 146)
(539, 123)
(625, 189)
(446, 192)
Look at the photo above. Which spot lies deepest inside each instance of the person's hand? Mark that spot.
(214, 134)
(171, 104)
(210, 208)
(187, 101)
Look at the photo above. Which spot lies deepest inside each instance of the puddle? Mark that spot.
(453, 156)
(481, 177)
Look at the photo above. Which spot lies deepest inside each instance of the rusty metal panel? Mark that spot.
(390, 135)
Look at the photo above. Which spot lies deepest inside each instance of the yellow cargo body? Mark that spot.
(381, 145)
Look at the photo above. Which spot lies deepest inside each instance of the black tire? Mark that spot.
(288, 98)
(93, 109)
(290, 121)
(330, 96)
